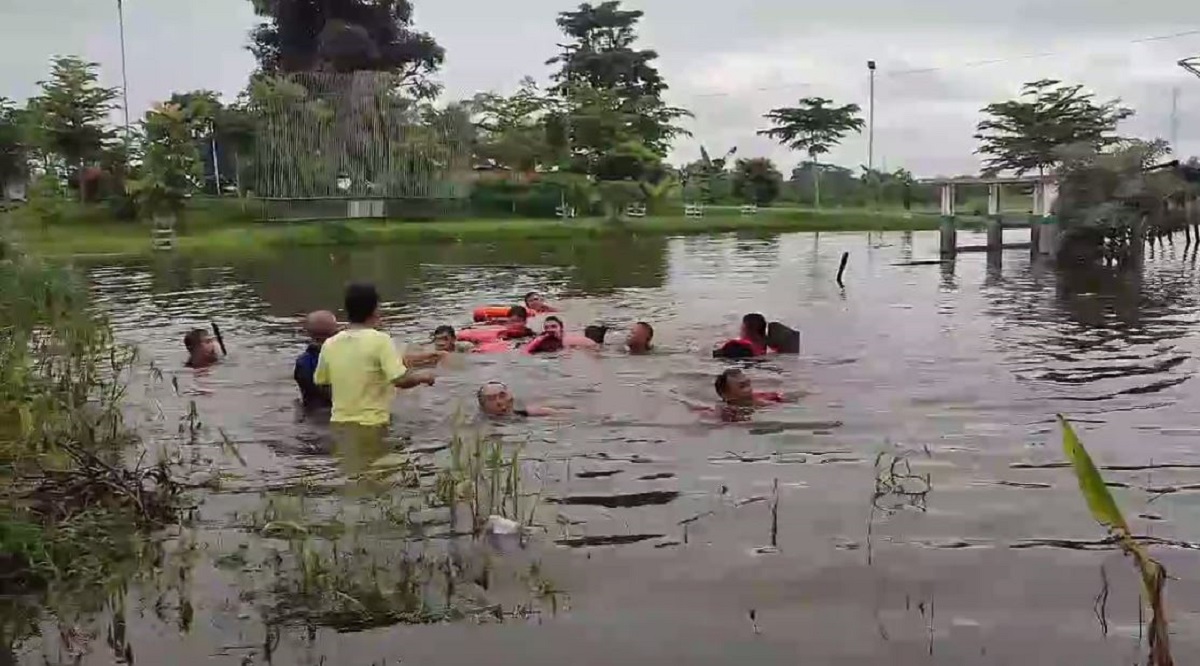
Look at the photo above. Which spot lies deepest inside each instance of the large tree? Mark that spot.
(814, 126)
(511, 129)
(346, 36)
(600, 55)
(1028, 133)
(757, 181)
(171, 167)
(71, 115)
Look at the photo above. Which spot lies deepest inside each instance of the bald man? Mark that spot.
(320, 326)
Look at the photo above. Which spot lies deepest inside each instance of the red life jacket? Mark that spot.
(740, 348)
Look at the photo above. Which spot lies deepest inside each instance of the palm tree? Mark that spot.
(814, 126)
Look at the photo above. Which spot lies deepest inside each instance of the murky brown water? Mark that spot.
(959, 368)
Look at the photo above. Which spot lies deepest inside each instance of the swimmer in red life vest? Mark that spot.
(496, 401)
(751, 344)
(537, 305)
(517, 326)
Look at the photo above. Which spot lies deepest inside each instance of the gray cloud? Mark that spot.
(728, 62)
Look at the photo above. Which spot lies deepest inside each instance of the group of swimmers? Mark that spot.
(353, 371)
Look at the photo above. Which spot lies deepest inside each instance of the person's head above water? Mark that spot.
(201, 348)
(735, 387)
(553, 327)
(518, 315)
(640, 337)
(444, 338)
(320, 326)
(495, 399)
(362, 304)
(534, 301)
(754, 327)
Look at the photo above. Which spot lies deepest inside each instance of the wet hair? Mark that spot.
(448, 330)
(756, 324)
(722, 381)
(553, 318)
(649, 330)
(362, 301)
(479, 392)
(193, 338)
(529, 296)
(518, 312)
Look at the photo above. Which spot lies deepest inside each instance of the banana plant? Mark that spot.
(1105, 511)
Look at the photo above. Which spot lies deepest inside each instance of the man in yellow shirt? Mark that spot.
(361, 365)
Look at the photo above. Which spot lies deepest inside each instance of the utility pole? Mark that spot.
(124, 75)
(871, 116)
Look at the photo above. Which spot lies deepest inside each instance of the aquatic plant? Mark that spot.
(1105, 511)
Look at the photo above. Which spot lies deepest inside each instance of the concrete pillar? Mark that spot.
(1035, 236)
(995, 234)
(949, 236)
(1048, 238)
(994, 200)
(948, 200)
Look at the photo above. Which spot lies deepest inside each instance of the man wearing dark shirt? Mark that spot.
(320, 326)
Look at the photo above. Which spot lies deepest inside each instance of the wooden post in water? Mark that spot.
(995, 226)
(949, 235)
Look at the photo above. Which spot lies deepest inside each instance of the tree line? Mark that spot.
(596, 134)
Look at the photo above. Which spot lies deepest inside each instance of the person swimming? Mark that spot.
(202, 349)
(751, 344)
(446, 340)
(551, 339)
(536, 304)
(517, 326)
(640, 338)
(739, 400)
(497, 401)
(320, 326)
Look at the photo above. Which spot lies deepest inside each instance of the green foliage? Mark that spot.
(1025, 134)
(170, 164)
(707, 179)
(14, 156)
(511, 130)
(1105, 511)
(757, 181)
(346, 36)
(616, 195)
(70, 116)
(814, 126)
(600, 55)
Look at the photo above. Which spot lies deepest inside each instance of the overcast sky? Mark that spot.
(729, 62)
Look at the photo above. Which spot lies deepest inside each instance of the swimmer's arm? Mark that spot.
(423, 359)
(393, 366)
(413, 379)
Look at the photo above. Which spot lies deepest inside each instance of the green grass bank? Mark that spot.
(226, 228)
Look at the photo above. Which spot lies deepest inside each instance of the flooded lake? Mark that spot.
(663, 538)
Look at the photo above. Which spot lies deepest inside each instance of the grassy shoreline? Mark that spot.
(201, 233)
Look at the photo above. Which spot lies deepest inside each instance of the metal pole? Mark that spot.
(1175, 120)
(124, 74)
(871, 118)
(216, 161)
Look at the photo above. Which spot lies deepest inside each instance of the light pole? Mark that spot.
(871, 117)
(124, 74)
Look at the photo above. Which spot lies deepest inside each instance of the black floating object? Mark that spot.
(220, 338)
(783, 338)
(595, 333)
(842, 268)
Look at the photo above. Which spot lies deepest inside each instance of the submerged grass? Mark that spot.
(418, 548)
